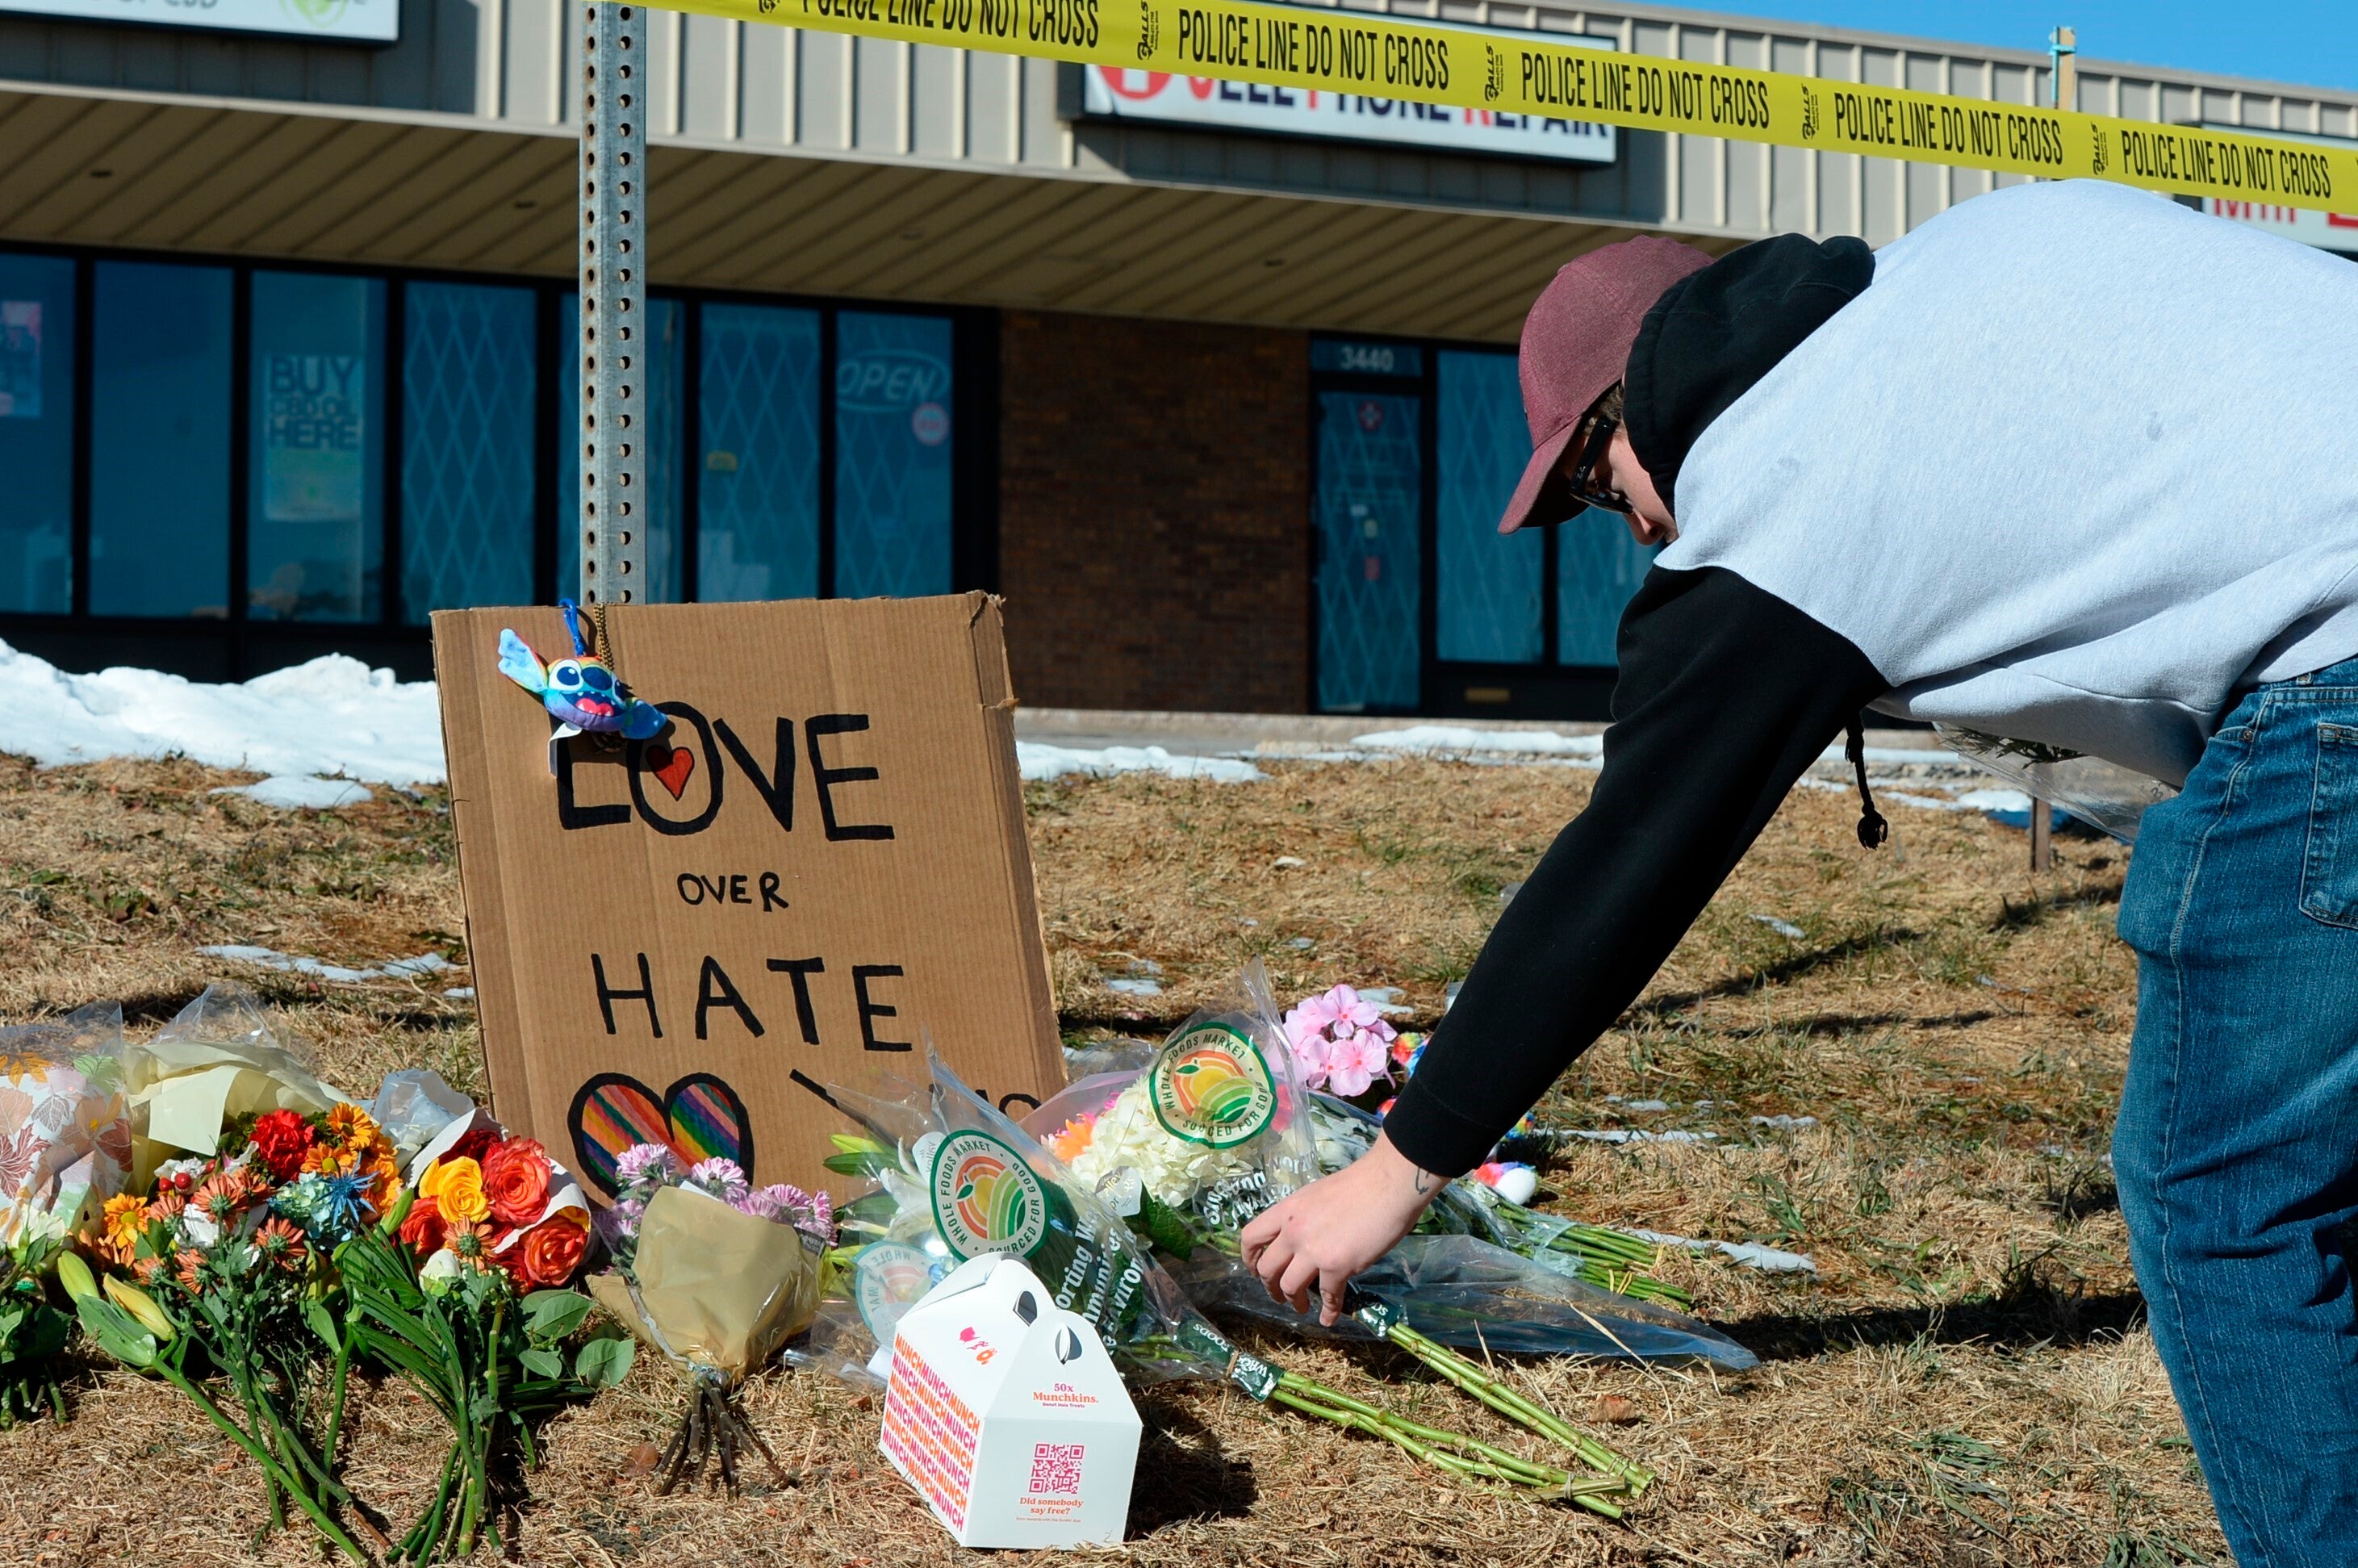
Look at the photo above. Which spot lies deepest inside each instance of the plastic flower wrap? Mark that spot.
(65, 1139)
(955, 1180)
(217, 1063)
(716, 1274)
(1483, 1272)
(1216, 1125)
(65, 1148)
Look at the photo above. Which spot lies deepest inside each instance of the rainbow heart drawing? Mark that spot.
(701, 1118)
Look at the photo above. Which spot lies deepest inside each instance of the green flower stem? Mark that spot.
(336, 1385)
(1473, 1380)
(272, 1475)
(1486, 1463)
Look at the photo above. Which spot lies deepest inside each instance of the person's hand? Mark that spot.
(1338, 1226)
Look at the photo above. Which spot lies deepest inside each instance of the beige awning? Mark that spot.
(225, 177)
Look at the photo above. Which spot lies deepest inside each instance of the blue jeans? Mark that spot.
(2237, 1147)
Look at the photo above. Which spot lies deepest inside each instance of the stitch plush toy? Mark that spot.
(581, 692)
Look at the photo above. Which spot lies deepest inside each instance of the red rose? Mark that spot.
(551, 1250)
(422, 1231)
(515, 1180)
(472, 1145)
(280, 1137)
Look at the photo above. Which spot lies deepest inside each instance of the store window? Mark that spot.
(1598, 568)
(666, 378)
(758, 499)
(316, 501)
(468, 396)
(894, 440)
(159, 440)
(1487, 588)
(37, 395)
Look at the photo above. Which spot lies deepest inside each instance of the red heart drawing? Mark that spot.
(672, 771)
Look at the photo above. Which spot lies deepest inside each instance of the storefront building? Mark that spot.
(1215, 384)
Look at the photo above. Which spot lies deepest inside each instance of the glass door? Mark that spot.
(1369, 512)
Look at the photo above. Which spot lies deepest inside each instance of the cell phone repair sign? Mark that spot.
(815, 869)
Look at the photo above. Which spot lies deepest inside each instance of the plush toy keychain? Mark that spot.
(582, 692)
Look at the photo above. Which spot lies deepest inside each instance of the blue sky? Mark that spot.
(2311, 41)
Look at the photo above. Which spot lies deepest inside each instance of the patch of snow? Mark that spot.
(1299, 944)
(333, 715)
(1785, 1123)
(461, 993)
(1037, 761)
(1287, 862)
(1645, 1104)
(1387, 1000)
(302, 792)
(1136, 987)
(1452, 739)
(1891, 756)
(288, 963)
(1781, 927)
(1994, 801)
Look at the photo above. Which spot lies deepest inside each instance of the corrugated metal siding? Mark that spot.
(760, 89)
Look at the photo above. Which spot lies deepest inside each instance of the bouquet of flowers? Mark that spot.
(459, 1287)
(64, 1146)
(956, 1179)
(230, 1259)
(1482, 1272)
(716, 1273)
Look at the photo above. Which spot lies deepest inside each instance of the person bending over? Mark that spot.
(2036, 470)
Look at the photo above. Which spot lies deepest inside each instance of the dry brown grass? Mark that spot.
(1966, 1381)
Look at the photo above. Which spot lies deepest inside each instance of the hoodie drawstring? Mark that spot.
(1872, 828)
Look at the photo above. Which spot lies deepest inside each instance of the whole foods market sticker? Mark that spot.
(985, 1199)
(887, 1279)
(1212, 1085)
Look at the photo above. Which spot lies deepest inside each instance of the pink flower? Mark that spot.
(1339, 1040)
(1355, 1062)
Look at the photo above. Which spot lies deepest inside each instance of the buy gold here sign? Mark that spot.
(1357, 52)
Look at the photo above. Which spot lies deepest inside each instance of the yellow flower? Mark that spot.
(457, 1188)
(124, 1218)
(349, 1127)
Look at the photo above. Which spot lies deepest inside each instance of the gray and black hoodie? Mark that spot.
(2070, 462)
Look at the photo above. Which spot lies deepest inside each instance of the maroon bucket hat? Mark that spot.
(1575, 341)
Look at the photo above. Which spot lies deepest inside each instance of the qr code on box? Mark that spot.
(1056, 1470)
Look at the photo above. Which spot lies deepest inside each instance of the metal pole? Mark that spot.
(613, 304)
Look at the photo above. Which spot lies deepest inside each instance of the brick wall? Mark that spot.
(1155, 498)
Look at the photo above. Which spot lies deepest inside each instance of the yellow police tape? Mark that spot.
(1359, 53)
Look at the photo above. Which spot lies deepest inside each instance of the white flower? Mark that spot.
(440, 1272)
(1127, 1136)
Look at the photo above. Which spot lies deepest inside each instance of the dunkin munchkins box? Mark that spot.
(1006, 1413)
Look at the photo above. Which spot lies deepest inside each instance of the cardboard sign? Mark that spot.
(1006, 1414)
(819, 868)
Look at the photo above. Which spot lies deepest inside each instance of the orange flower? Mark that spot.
(165, 1205)
(124, 1218)
(469, 1240)
(457, 1188)
(551, 1252)
(516, 1180)
(422, 1231)
(280, 1243)
(146, 1269)
(384, 1175)
(349, 1127)
(188, 1260)
(220, 1196)
(329, 1161)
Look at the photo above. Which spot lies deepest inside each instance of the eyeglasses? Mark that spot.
(1585, 488)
